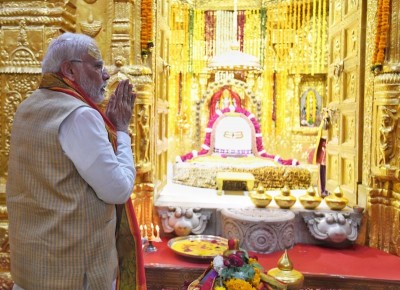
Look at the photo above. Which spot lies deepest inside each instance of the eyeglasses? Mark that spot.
(98, 66)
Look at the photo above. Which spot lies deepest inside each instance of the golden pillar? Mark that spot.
(384, 193)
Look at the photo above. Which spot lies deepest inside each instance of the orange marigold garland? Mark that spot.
(146, 33)
(382, 31)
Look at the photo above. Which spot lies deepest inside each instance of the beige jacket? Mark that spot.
(59, 229)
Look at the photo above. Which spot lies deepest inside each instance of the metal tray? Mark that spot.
(198, 246)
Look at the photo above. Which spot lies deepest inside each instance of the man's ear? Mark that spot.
(67, 70)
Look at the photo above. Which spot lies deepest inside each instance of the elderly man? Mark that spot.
(69, 165)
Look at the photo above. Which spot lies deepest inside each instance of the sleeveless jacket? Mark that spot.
(59, 230)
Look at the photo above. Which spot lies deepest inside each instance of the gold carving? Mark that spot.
(91, 27)
(336, 53)
(144, 130)
(337, 11)
(387, 135)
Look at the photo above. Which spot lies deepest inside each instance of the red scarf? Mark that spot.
(127, 226)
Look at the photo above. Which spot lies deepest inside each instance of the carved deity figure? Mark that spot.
(387, 136)
(144, 135)
(184, 221)
(337, 229)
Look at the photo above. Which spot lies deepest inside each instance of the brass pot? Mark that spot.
(285, 200)
(260, 198)
(336, 201)
(310, 200)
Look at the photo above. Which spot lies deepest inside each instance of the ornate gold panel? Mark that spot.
(351, 6)
(347, 168)
(386, 125)
(336, 48)
(350, 79)
(348, 129)
(22, 46)
(345, 103)
(394, 42)
(347, 172)
(14, 89)
(386, 137)
(352, 41)
(334, 87)
(335, 8)
(332, 172)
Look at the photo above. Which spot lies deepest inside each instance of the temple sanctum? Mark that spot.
(271, 122)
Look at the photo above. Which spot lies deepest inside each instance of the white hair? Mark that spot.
(67, 46)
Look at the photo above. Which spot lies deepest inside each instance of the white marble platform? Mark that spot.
(187, 196)
(198, 210)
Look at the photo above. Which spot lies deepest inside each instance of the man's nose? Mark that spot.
(105, 74)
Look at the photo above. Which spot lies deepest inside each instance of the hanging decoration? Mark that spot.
(382, 31)
(146, 31)
(274, 96)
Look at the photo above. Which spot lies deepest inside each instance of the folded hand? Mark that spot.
(120, 106)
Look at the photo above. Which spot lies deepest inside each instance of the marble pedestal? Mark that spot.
(203, 212)
(259, 230)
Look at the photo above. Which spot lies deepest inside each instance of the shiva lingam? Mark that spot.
(286, 274)
(310, 200)
(336, 201)
(149, 239)
(259, 197)
(285, 200)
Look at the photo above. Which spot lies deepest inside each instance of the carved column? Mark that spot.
(384, 193)
(128, 64)
(384, 196)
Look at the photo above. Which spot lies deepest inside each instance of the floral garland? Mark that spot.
(382, 30)
(259, 142)
(146, 31)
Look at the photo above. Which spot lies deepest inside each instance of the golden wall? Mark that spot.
(27, 27)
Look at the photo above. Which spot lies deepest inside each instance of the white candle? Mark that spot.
(152, 231)
(145, 231)
(141, 231)
(158, 232)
